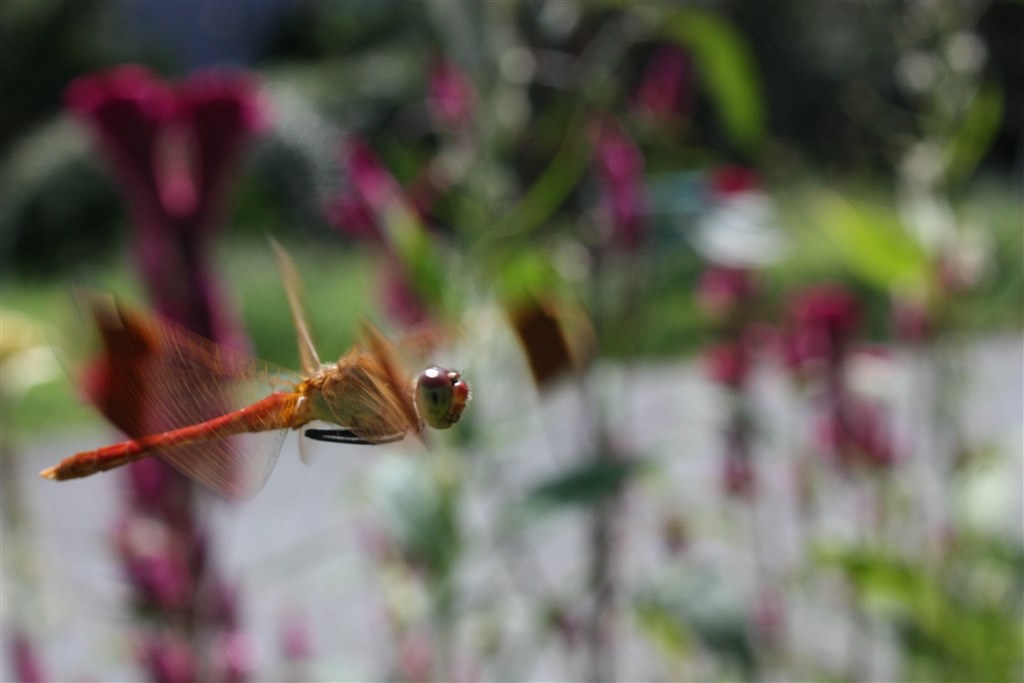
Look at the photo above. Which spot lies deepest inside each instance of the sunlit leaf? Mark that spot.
(969, 144)
(950, 630)
(872, 243)
(727, 68)
(663, 627)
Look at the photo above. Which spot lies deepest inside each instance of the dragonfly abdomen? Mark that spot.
(280, 410)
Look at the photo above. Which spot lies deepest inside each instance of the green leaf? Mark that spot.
(873, 243)
(968, 145)
(663, 627)
(725, 62)
(585, 485)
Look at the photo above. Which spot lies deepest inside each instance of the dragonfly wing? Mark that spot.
(293, 289)
(234, 467)
(153, 376)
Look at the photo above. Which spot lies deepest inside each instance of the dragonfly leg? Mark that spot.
(347, 436)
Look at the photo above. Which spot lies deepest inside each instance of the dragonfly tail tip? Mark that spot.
(49, 473)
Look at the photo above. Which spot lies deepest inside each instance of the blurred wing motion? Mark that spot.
(153, 376)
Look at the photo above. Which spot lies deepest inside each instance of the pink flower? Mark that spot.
(156, 563)
(360, 213)
(738, 477)
(416, 658)
(450, 95)
(728, 363)
(25, 663)
(856, 432)
(728, 181)
(666, 88)
(232, 657)
(349, 213)
(724, 289)
(911, 320)
(371, 180)
(168, 658)
(824, 321)
(398, 297)
(173, 150)
(620, 166)
(295, 637)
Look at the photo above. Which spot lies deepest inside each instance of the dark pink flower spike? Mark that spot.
(350, 215)
(738, 477)
(728, 364)
(221, 109)
(620, 166)
(25, 663)
(729, 181)
(399, 298)
(173, 151)
(825, 320)
(128, 110)
(857, 433)
(232, 657)
(296, 637)
(666, 88)
(371, 180)
(168, 658)
(450, 95)
(724, 289)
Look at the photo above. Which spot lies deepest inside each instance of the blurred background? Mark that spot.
(738, 287)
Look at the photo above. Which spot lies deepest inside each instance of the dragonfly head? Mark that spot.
(441, 396)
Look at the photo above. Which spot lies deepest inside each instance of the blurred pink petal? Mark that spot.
(450, 95)
(168, 658)
(620, 166)
(666, 88)
(728, 363)
(724, 289)
(25, 663)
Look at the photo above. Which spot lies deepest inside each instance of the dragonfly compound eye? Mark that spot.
(441, 396)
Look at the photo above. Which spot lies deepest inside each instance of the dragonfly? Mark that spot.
(190, 402)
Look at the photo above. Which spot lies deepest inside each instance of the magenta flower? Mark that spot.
(857, 433)
(296, 638)
(620, 166)
(168, 658)
(723, 290)
(360, 211)
(173, 150)
(450, 96)
(911, 320)
(25, 662)
(666, 88)
(728, 363)
(729, 181)
(351, 216)
(399, 299)
(738, 477)
(155, 562)
(825, 319)
(372, 181)
(416, 658)
(232, 657)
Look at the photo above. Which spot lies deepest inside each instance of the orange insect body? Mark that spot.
(163, 386)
